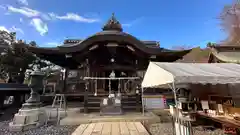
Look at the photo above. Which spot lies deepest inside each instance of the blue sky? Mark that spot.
(172, 22)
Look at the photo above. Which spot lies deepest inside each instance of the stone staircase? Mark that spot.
(129, 102)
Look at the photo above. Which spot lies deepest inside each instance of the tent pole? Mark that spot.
(143, 112)
(175, 97)
(177, 111)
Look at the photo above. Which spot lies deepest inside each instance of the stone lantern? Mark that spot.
(36, 85)
(31, 115)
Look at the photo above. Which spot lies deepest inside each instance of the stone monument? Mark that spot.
(31, 115)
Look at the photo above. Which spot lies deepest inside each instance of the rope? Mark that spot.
(109, 87)
(119, 85)
(109, 78)
(95, 94)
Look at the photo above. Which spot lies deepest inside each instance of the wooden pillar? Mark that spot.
(104, 81)
(138, 101)
(65, 80)
(86, 97)
(136, 65)
(2, 98)
(17, 100)
(86, 90)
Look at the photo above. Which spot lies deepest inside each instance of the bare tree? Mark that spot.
(230, 23)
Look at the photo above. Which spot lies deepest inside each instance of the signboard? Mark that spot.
(154, 103)
(229, 130)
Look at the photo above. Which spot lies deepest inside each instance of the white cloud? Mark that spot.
(73, 17)
(38, 18)
(52, 44)
(2, 28)
(15, 29)
(12, 29)
(24, 11)
(23, 2)
(31, 13)
(40, 26)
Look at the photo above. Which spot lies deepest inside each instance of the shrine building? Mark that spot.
(109, 61)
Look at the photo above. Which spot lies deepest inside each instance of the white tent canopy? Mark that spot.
(159, 74)
(172, 74)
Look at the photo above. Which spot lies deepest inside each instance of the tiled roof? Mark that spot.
(197, 55)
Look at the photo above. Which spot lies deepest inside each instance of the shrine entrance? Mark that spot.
(111, 104)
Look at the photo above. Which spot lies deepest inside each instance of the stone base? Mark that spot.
(31, 105)
(53, 114)
(27, 119)
(112, 106)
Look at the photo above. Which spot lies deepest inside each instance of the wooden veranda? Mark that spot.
(111, 128)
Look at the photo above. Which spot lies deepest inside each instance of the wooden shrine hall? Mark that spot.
(106, 63)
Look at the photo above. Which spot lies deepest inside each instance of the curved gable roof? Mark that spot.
(229, 54)
(111, 36)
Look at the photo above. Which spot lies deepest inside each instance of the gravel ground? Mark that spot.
(44, 130)
(163, 128)
(167, 129)
(50, 129)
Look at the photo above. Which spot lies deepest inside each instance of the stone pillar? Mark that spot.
(30, 115)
